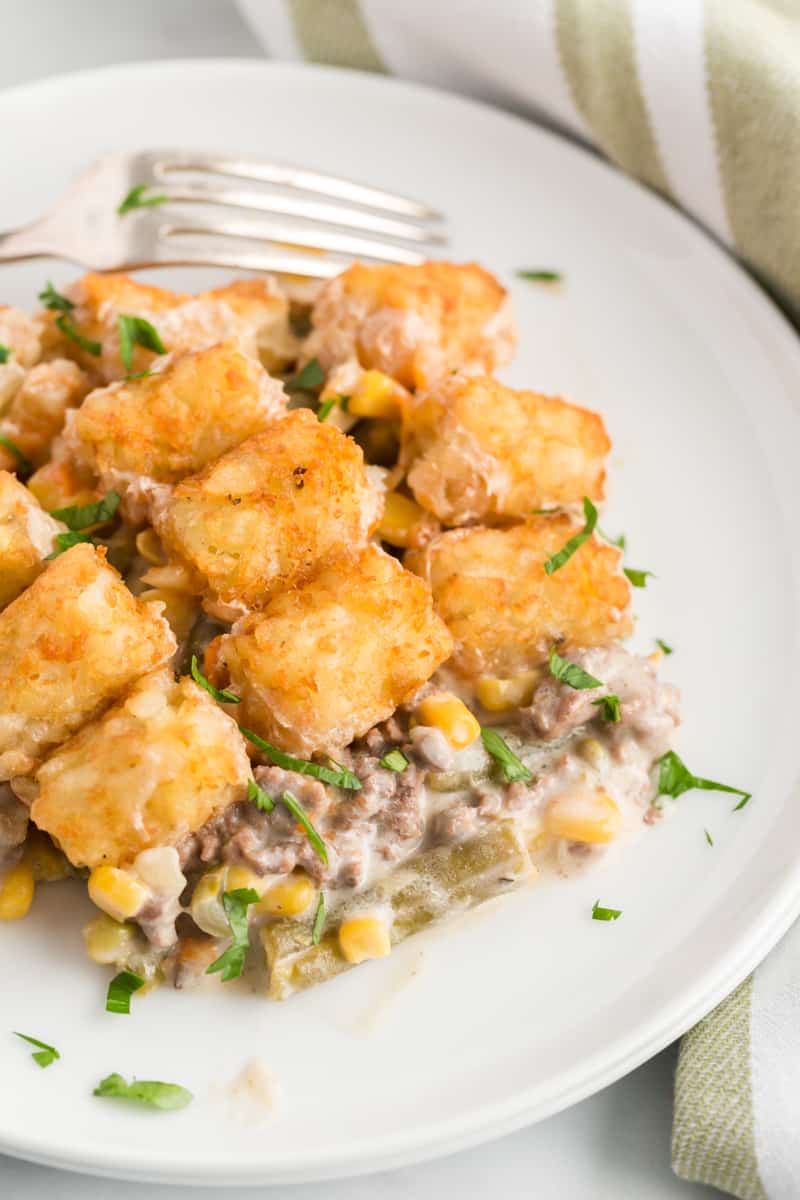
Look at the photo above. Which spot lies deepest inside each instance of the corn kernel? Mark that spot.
(206, 906)
(107, 941)
(401, 516)
(501, 695)
(583, 817)
(180, 610)
(376, 395)
(116, 892)
(288, 897)
(361, 938)
(47, 863)
(243, 877)
(172, 576)
(452, 716)
(16, 892)
(149, 546)
(594, 752)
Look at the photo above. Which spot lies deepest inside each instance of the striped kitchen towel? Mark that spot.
(700, 99)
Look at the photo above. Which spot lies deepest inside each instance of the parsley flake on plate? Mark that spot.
(662, 645)
(150, 1092)
(45, 1054)
(538, 275)
(556, 561)
(570, 673)
(120, 990)
(638, 578)
(512, 767)
(605, 914)
(675, 778)
(709, 838)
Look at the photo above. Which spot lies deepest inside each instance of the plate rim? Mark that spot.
(527, 1105)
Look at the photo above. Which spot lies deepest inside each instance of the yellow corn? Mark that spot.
(451, 715)
(243, 877)
(361, 938)
(288, 897)
(401, 515)
(16, 892)
(116, 892)
(593, 752)
(583, 817)
(206, 907)
(171, 576)
(501, 695)
(656, 656)
(149, 546)
(180, 610)
(47, 863)
(376, 395)
(107, 941)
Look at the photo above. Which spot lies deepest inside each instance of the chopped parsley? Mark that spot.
(320, 917)
(120, 990)
(54, 300)
(620, 542)
(341, 777)
(605, 914)
(709, 838)
(65, 541)
(570, 673)
(556, 561)
(309, 378)
(324, 410)
(236, 904)
(67, 327)
(395, 760)
(259, 797)
(675, 778)
(164, 1096)
(45, 1054)
(24, 465)
(638, 578)
(5, 353)
(221, 695)
(663, 646)
(136, 198)
(83, 516)
(135, 331)
(512, 767)
(538, 275)
(610, 707)
(299, 813)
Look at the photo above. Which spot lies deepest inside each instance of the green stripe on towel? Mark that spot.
(334, 32)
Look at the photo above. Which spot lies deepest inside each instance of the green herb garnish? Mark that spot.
(165, 1096)
(236, 904)
(663, 646)
(83, 516)
(136, 198)
(120, 990)
(570, 673)
(709, 838)
(5, 353)
(135, 331)
(222, 696)
(512, 767)
(605, 914)
(54, 300)
(620, 542)
(320, 917)
(566, 552)
(67, 327)
(45, 1054)
(24, 465)
(309, 378)
(395, 760)
(675, 778)
(610, 707)
(299, 813)
(65, 541)
(324, 410)
(259, 797)
(538, 276)
(638, 578)
(342, 777)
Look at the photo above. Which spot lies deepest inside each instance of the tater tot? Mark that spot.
(476, 449)
(414, 323)
(26, 537)
(504, 611)
(20, 335)
(324, 662)
(38, 410)
(69, 645)
(155, 767)
(269, 513)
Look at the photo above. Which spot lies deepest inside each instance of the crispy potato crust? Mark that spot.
(69, 645)
(475, 449)
(167, 425)
(36, 414)
(414, 323)
(26, 536)
(271, 512)
(491, 589)
(323, 663)
(155, 767)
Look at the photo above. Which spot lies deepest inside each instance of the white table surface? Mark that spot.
(615, 1144)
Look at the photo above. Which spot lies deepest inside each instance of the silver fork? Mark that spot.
(335, 220)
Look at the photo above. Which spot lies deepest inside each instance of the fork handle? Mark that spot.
(18, 244)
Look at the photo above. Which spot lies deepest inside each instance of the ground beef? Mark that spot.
(13, 827)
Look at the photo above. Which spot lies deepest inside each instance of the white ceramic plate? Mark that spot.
(528, 1005)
